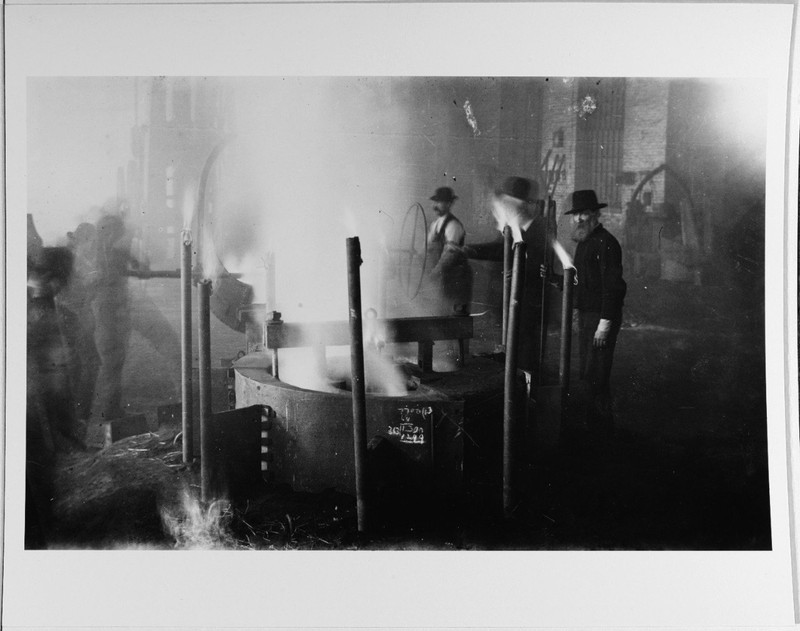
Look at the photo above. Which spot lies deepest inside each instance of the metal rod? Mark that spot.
(549, 216)
(166, 273)
(273, 322)
(508, 244)
(510, 420)
(357, 375)
(205, 387)
(145, 274)
(203, 191)
(566, 332)
(186, 348)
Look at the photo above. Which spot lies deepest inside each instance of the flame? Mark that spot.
(349, 221)
(300, 367)
(210, 264)
(508, 212)
(270, 301)
(374, 333)
(188, 206)
(563, 255)
(196, 528)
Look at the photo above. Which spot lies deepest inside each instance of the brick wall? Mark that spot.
(645, 138)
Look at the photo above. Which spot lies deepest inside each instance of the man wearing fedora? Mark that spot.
(450, 269)
(513, 204)
(599, 294)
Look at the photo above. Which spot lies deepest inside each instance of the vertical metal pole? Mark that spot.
(270, 300)
(508, 254)
(549, 217)
(205, 387)
(510, 420)
(186, 348)
(566, 333)
(273, 320)
(357, 375)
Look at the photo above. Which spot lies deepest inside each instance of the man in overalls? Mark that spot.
(450, 270)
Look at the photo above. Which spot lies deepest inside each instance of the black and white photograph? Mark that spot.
(309, 314)
(636, 416)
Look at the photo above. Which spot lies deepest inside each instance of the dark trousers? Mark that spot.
(112, 330)
(77, 329)
(595, 369)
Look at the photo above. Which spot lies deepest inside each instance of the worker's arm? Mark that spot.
(452, 253)
(489, 251)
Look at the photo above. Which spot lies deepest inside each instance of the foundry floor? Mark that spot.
(686, 468)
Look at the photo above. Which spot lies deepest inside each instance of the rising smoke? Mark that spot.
(313, 162)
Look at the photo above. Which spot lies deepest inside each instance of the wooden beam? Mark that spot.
(394, 331)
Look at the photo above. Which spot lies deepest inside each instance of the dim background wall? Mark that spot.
(385, 143)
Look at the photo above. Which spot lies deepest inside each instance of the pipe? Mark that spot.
(203, 190)
(508, 254)
(167, 273)
(510, 420)
(550, 230)
(549, 217)
(566, 334)
(273, 320)
(357, 376)
(205, 388)
(187, 401)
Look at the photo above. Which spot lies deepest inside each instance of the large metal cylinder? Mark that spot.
(510, 417)
(358, 381)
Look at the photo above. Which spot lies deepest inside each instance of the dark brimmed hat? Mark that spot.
(519, 188)
(584, 201)
(444, 194)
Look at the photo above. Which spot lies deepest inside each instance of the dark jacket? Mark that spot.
(534, 238)
(600, 287)
(531, 307)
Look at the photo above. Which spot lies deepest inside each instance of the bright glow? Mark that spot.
(507, 211)
(188, 206)
(563, 255)
(300, 177)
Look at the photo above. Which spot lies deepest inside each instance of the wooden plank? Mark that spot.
(394, 330)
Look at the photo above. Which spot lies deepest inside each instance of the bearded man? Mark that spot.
(599, 294)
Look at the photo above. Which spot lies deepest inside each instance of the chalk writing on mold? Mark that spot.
(411, 426)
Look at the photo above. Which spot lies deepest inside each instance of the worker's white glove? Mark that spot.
(602, 332)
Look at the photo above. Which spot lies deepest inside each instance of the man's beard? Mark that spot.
(581, 232)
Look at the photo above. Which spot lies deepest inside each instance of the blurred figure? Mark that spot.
(599, 295)
(35, 243)
(111, 309)
(147, 319)
(514, 205)
(120, 309)
(76, 318)
(50, 420)
(49, 396)
(450, 269)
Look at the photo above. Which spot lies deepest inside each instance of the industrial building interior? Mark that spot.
(275, 242)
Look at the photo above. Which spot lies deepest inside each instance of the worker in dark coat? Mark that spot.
(514, 205)
(599, 294)
(450, 270)
(50, 420)
(74, 305)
